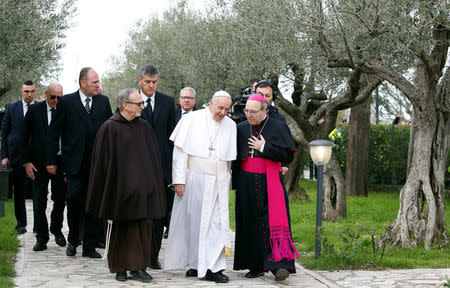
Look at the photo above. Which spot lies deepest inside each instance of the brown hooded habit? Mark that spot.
(126, 180)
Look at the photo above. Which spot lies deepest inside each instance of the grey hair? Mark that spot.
(264, 105)
(149, 70)
(189, 89)
(83, 73)
(123, 96)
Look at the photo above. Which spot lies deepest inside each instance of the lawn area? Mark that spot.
(371, 215)
(9, 245)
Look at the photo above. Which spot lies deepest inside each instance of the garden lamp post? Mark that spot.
(320, 151)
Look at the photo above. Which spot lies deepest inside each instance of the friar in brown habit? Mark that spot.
(125, 187)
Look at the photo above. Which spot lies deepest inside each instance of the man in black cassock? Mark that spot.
(263, 238)
(126, 187)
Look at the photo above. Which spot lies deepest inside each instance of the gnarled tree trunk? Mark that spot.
(334, 198)
(425, 182)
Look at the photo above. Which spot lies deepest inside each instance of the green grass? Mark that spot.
(374, 213)
(9, 245)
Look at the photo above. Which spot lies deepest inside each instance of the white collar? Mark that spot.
(25, 103)
(48, 106)
(145, 97)
(83, 97)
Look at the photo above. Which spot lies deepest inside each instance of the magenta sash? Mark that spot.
(280, 236)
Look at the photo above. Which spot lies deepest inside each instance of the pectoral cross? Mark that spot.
(211, 148)
(251, 153)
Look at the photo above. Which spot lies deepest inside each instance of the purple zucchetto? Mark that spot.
(257, 97)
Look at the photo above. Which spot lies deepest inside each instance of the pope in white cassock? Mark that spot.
(204, 146)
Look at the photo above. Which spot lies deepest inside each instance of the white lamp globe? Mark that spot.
(320, 151)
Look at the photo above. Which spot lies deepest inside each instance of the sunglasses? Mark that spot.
(54, 97)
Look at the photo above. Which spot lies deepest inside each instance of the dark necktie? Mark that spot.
(52, 113)
(150, 110)
(149, 105)
(185, 112)
(87, 107)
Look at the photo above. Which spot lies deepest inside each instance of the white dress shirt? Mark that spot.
(83, 99)
(152, 100)
(25, 106)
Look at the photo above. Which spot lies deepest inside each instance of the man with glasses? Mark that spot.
(34, 135)
(263, 240)
(187, 103)
(10, 151)
(77, 118)
(126, 187)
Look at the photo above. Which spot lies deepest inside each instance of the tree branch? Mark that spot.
(323, 42)
(441, 35)
(298, 115)
(367, 91)
(344, 37)
(5, 89)
(375, 66)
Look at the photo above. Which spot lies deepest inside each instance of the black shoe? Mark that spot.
(281, 274)
(39, 246)
(166, 234)
(254, 274)
(91, 253)
(217, 277)
(191, 273)
(21, 229)
(156, 265)
(60, 239)
(121, 276)
(141, 275)
(100, 245)
(71, 250)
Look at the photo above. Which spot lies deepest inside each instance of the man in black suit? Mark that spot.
(34, 133)
(188, 99)
(10, 151)
(159, 111)
(77, 119)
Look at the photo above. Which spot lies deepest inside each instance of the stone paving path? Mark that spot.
(52, 268)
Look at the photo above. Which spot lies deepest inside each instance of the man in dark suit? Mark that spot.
(159, 111)
(77, 119)
(187, 104)
(34, 138)
(10, 151)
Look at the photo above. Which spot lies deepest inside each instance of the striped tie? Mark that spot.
(88, 108)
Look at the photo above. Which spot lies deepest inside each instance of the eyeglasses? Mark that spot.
(135, 103)
(187, 98)
(253, 112)
(54, 97)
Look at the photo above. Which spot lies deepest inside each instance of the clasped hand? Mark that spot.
(255, 143)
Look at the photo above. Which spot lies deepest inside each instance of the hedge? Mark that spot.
(388, 153)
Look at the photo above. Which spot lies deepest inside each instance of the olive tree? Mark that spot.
(31, 34)
(402, 32)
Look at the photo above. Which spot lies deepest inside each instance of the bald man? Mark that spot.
(34, 135)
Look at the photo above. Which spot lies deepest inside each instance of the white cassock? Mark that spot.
(199, 225)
